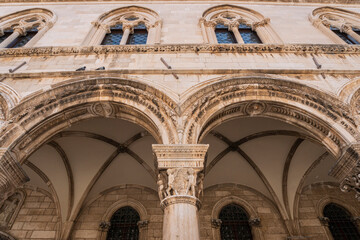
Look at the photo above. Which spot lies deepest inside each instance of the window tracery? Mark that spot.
(128, 25)
(341, 26)
(232, 24)
(124, 224)
(340, 222)
(25, 28)
(234, 223)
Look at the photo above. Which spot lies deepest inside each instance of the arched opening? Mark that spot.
(105, 141)
(234, 223)
(262, 136)
(123, 224)
(340, 222)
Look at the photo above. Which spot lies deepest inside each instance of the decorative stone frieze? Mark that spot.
(176, 48)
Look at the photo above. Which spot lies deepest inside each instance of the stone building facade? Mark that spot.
(179, 114)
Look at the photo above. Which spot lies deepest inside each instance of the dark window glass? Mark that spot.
(139, 36)
(347, 38)
(114, 37)
(22, 40)
(235, 223)
(7, 33)
(356, 30)
(223, 35)
(3, 237)
(340, 223)
(248, 35)
(124, 225)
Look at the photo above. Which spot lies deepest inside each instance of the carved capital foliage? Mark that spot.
(254, 222)
(324, 221)
(216, 223)
(143, 224)
(180, 169)
(260, 23)
(104, 226)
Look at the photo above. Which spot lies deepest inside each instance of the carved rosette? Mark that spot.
(180, 178)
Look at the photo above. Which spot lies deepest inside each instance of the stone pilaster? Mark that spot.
(180, 182)
(11, 175)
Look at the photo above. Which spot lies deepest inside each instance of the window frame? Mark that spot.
(129, 18)
(325, 18)
(232, 16)
(23, 22)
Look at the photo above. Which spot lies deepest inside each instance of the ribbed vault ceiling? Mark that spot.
(270, 156)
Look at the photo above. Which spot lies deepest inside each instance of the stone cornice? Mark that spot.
(255, 1)
(175, 48)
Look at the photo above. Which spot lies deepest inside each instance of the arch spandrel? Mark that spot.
(40, 116)
(323, 116)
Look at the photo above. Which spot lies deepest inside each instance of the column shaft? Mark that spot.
(125, 36)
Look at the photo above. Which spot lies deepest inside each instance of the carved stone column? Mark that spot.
(127, 28)
(180, 182)
(347, 170)
(16, 33)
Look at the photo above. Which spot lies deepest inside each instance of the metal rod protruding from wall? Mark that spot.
(168, 67)
(13, 70)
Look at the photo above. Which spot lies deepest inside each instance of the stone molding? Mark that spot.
(180, 155)
(176, 48)
(180, 199)
(347, 2)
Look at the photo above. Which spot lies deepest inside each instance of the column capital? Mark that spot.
(180, 155)
(180, 171)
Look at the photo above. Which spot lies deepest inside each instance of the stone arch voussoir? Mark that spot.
(322, 115)
(37, 118)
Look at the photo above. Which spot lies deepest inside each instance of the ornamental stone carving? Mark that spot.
(9, 209)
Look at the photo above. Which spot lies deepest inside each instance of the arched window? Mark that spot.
(340, 223)
(235, 223)
(129, 25)
(341, 26)
(25, 28)
(123, 225)
(232, 24)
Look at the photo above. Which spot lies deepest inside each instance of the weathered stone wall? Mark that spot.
(272, 227)
(312, 201)
(87, 224)
(37, 218)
